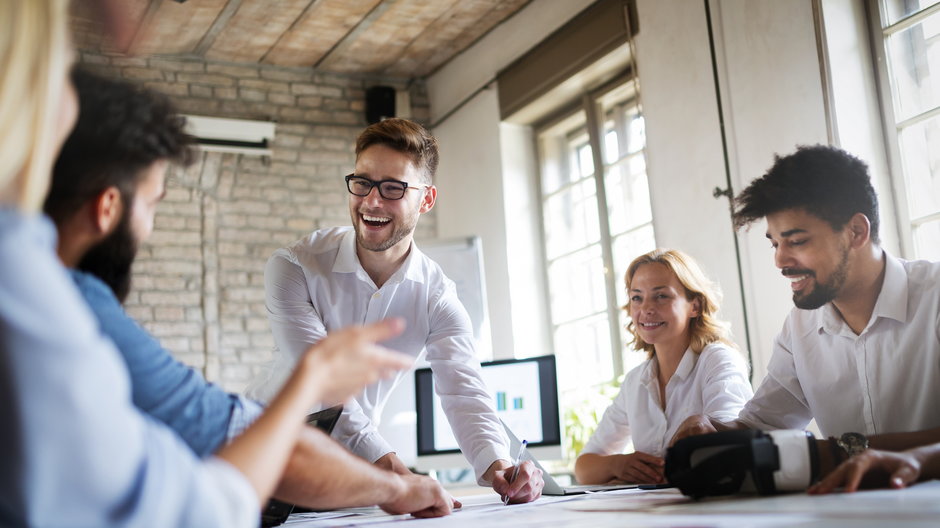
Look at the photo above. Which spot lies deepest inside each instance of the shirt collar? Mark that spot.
(684, 370)
(347, 261)
(891, 302)
(687, 365)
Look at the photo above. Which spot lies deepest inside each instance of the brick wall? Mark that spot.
(199, 284)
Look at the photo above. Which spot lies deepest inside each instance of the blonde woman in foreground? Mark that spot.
(76, 452)
(692, 368)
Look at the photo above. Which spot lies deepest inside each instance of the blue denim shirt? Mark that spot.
(202, 414)
(75, 450)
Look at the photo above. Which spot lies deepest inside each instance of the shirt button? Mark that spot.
(376, 295)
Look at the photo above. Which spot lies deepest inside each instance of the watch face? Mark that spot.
(853, 443)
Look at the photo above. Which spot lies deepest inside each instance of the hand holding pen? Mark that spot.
(515, 470)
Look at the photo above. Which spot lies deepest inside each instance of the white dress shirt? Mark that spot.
(885, 380)
(713, 382)
(318, 285)
(76, 451)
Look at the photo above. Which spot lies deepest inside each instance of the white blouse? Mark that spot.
(713, 383)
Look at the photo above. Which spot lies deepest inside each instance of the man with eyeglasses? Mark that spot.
(340, 276)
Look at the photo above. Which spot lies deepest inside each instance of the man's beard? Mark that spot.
(111, 259)
(397, 235)
(824, 292)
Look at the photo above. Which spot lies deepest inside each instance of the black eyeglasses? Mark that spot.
(388, 189)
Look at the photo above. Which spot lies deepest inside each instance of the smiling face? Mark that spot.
(810, 253)
(382, 224)
(660, 310)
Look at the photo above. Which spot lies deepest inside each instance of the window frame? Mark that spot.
(879, 32)
(590, 103)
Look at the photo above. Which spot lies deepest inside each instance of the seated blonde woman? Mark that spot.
(693, 367)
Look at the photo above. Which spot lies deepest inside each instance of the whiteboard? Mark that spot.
(462, 262)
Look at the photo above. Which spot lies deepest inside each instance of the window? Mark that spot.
(596, 218)
(910, 30)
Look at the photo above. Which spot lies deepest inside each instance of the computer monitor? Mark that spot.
(525, 393)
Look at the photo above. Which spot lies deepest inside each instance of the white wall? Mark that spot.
(684, 156)
(470, 201)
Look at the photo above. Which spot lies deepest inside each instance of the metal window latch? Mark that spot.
(719, 192)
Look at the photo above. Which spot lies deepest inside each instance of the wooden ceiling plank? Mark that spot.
(318, 31)
(373, 51)
(438, 30)
(178, 28)
(473, 32)
(439, 37)
(254, 28)
(231, 7)
(342, 48)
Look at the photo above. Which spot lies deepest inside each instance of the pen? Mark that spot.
(515, 471)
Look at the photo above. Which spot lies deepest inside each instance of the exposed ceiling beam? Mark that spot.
(300, 18)
(217, 27)
(152, 9)
(350, 38)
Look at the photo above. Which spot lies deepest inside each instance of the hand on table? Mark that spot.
(898, 469)
(640, 468)
(421, 497)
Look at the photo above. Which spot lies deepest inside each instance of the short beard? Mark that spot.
(397, 236)
(825, 293)
(111, 260)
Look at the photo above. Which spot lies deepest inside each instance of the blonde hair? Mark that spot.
(34, 59)
(705, 328)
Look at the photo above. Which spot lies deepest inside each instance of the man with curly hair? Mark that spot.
(860, 352)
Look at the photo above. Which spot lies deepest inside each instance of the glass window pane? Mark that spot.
(611, 147)
(559, 160)
(628, 194)
(927, 240)
(897, 9)
(585, 161)
(577, 287)
(920, 155)
(583, 352)
(627, 247)
(571, 219)
(636, 134)
(914, 66)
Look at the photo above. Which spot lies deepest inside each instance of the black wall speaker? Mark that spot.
(380, 103)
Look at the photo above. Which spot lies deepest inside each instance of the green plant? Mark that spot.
(583, 409)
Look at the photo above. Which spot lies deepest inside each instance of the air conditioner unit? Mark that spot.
(240, 136)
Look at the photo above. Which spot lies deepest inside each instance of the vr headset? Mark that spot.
(731, 462)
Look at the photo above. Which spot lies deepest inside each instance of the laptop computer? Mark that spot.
(276, 512)
(552, 487)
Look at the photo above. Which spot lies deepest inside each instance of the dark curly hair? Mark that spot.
(122, 129)
(823, 180)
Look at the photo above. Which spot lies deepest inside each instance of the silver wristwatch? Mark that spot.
(853, 443)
